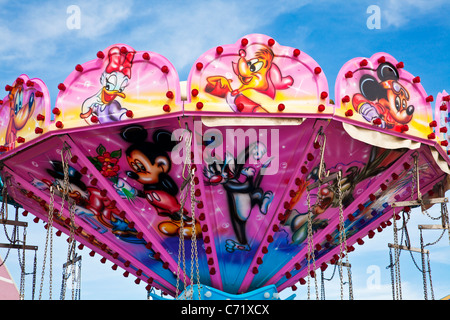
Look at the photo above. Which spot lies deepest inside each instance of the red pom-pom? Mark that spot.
(165, 69)
(169, 94)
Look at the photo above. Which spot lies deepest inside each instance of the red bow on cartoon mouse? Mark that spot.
(120, 60)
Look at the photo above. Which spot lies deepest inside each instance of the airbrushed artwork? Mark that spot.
(249, 172)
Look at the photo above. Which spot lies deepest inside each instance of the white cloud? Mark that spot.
(38, 36)
(35, 36)
(182, 31)
(399, 13)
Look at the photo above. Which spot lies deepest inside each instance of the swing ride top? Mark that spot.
(245, 179)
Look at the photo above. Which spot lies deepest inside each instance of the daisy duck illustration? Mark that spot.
(114, 79)
(21, 109)
(256, 71)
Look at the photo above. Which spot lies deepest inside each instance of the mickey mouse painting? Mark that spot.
(384, 98)
(150, 165)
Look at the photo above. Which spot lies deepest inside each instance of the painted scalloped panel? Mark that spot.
(257, 75)
(118, 85)
(379, 93)
(24, 112)
(441, 116)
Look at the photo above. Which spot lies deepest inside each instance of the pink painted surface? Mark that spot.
(381, 90)
(8, 288)
(250, 180)
(255, 77)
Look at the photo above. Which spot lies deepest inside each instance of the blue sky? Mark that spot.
(35, 40)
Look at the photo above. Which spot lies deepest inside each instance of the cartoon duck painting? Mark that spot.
(20, 111)
(256, 71)
(114, 79)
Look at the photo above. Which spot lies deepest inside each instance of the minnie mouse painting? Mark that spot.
(384, 98)
(151, 164)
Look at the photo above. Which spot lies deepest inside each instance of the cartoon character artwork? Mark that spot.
(150, 165)
(297, 221)
(243, 191)
(257, 72)
(21, 109)
(327, 196)
(384, 98)
(114, 79)
(87, 198)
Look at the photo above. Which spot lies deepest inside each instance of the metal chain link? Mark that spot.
(429, 275)
(48, 240)
(4, 217)
(343, 242)
(424, 276)
(181, 245)
(194, 249)
(396, 266)
(311, 255)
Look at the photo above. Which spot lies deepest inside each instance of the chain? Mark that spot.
(311, 255)
(48, 239)
(445, 219)
(22, 273)
(181, 251)
(413, 179)
(33, 288)
(396, 266)
(4, 210)
(391, 266)
(343, 243)
(424, 276)
(78, 288)
(429, 275)
(181, 244)
(65, 156)
(194, 250)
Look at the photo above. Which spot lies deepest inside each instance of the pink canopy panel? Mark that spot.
(267, 146)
